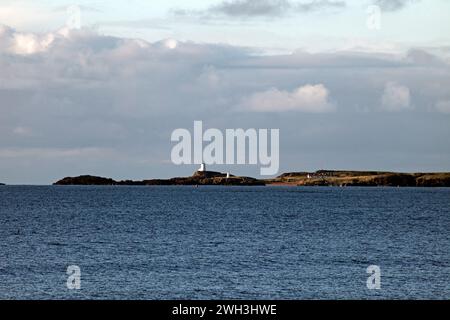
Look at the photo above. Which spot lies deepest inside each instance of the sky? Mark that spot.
(97, 87)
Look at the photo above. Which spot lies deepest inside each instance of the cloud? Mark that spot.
(262, 8)
(393, 5)
(340, 59)
(443, 106)
(64, 103)
(319, 5)
(23, 43)
(308, 98)
(251, 8)
(396, 97)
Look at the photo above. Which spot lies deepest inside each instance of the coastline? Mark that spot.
(332, 178)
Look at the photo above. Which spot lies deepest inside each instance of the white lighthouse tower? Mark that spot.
(202, 168)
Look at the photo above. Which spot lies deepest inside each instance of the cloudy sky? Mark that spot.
(101, 95)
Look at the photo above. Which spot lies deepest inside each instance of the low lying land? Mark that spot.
(363, 179)
(199, 178)
(319, 178)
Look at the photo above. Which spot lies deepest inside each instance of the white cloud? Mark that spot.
(443, 106)
(396, 97)
(171, 43)
(308, 98)
(24, 43)
(29, 43)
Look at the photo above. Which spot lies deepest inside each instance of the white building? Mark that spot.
(202, 168)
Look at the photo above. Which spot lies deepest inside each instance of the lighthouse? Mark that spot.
(202, 168)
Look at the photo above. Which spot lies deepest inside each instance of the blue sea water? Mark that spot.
(224, 242)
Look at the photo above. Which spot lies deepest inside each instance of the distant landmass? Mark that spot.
(318, 178)
(2, 184)
(199, 178)
(363, 179)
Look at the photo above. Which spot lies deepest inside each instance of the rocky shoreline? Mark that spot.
(318, 178)
(363, 179)
(198, 178)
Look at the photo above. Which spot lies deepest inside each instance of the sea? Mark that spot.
(271, 243)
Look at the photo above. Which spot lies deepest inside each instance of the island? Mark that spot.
(2, 184)
(333, 178)
(197, 179)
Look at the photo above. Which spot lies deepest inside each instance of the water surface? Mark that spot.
(224, 242)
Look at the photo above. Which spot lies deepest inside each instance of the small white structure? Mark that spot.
(228, 175)
(202, 168)
(309, 176)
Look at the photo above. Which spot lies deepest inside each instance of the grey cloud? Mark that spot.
(393, 5)
(251, 8)
(114, 103)
(319, 5)
(336, 60)
(262, 8)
